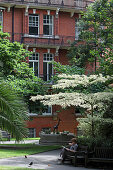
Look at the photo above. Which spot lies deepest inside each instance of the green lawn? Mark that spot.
(13, 139)
(15, 168)
(33, 149)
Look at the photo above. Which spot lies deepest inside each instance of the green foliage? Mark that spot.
(16, 70)
(11, 54)
(79, 54)
(27, 85)
(95, 40)
(87, 92)
(12, 112)
(99, 126)
(98, 141)
(67, 69)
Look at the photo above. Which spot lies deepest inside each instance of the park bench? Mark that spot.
(6, 135)
(100, 154)
(79, 156)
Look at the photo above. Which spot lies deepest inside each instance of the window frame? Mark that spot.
(34, 132)
(77, 28)
(44, 24)
(48, 113)
(38, 27)
(35, 61)
(47, 61)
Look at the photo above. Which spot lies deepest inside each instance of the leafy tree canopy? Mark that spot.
(96, 26)
(94, 102)
(16, 70)
(78, 96)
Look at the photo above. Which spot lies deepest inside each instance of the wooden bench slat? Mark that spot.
(100, 154)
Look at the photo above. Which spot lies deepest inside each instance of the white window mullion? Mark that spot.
(34, 25)
(47, 57)
(34, 59)
(48, 31)
(77, 29)
(33, 68)
(52, 25)
(47, 71)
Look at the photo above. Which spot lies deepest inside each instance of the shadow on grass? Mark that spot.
(26, 150)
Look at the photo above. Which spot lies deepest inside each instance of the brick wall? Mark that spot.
(68, 121)
(64, 25)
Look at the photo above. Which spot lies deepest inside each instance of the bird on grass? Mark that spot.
(31, 163)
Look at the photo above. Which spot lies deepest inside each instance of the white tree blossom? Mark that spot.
(76, 99)
(67, 81)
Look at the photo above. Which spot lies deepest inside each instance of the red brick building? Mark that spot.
(45, 27)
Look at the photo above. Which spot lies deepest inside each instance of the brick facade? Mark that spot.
(57, 44)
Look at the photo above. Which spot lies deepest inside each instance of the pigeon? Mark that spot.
(31, 163)
(25, 156)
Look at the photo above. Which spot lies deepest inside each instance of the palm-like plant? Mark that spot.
(12, 112)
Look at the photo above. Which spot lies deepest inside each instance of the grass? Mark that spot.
(33, 149)
(13, 139)
(15, 168)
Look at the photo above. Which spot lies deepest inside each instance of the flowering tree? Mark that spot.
(92, 102)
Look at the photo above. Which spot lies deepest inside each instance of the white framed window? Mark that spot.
(33, 25)
(48, 111)
(32, 132)
(1, 20)
(48, 25)
(77, 28)
(47, 130)
(34, 63)
(47, 66)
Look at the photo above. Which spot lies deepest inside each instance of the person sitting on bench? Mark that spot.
(69, 151)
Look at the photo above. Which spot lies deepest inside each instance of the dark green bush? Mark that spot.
(91, 142)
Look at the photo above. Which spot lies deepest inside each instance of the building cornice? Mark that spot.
(47, 6)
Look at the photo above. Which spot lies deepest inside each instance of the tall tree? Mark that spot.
(95, 39)
(15, 68)
(80, 90)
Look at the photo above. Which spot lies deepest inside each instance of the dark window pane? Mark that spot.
(50, 71)
(50, 30)
(30, 19)
(44, 56)
(31, 64)
(34, 107)
(36, 68)
(45, 71)
(33, 30)
(44, 17)
(46, 29)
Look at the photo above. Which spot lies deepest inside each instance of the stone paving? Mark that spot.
(46, 161)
